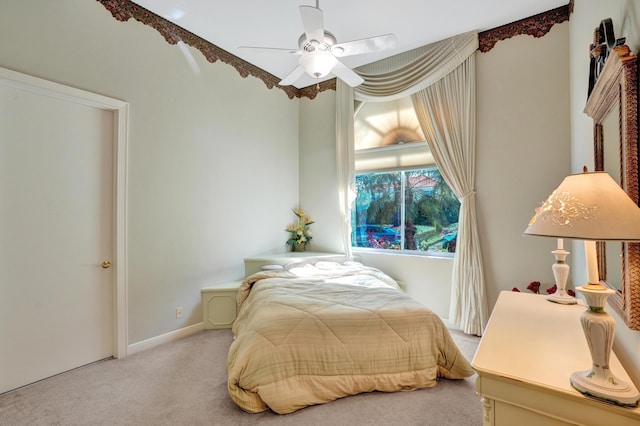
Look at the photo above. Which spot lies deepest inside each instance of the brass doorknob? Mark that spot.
(106, 264)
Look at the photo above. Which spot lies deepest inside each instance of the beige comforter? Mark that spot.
(313, 334)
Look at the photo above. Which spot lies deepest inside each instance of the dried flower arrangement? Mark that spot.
(534, 287)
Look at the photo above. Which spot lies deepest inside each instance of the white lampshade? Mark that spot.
(588, 206)
(318, 63)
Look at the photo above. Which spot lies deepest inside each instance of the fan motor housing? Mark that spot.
(311, 45)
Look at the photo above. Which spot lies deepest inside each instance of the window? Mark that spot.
(402, 202)
(405, 210)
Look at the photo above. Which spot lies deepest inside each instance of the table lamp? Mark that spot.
(593, 207)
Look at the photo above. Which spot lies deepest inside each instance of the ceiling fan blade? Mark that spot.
(271, 49)
(292, 77)
(365, 45)
(313, 23)
(346, 74)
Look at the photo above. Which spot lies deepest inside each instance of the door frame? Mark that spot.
(120, 111)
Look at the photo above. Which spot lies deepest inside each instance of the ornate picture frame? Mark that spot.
(615, 90)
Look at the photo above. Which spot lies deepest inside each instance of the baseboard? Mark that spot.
(143, 345)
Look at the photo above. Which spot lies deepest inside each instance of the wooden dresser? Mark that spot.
(527, 353)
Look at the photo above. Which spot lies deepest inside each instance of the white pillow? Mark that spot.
(272, 267)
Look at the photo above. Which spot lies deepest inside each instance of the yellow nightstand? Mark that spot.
(219, 306)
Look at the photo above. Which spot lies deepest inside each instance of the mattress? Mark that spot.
(312, 333)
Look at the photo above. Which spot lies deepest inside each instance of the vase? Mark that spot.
(299, 247)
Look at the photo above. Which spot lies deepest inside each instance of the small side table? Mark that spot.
(219, 305)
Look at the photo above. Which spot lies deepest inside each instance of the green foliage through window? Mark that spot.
(405, 210)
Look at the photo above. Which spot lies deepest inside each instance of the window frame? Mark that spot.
(402, 251)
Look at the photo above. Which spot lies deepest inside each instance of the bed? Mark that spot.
(311, 333)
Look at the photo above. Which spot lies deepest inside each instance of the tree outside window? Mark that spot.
(410, 210)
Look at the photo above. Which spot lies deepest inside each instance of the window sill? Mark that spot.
(404, 253)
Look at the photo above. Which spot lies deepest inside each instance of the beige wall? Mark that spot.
(523, 153)
(213, 157)
(318, 170)
(587, 15)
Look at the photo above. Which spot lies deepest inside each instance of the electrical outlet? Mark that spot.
(179, 312)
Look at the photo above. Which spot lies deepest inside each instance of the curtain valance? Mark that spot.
(407, 73)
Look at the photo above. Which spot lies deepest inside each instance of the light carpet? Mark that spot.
(184, 383)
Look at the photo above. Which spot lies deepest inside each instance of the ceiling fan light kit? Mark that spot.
(318, 63)
(319, 50)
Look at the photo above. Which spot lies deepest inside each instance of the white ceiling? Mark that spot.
(232, 23)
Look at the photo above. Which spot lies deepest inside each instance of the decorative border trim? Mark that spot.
(536, 25)
(123, 10)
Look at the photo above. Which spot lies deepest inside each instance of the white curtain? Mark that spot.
(401, 76)
(345, 159)
(446, 112)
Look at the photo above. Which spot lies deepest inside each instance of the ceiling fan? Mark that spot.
(319, 51)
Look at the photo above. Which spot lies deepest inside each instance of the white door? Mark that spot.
(56, 229)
